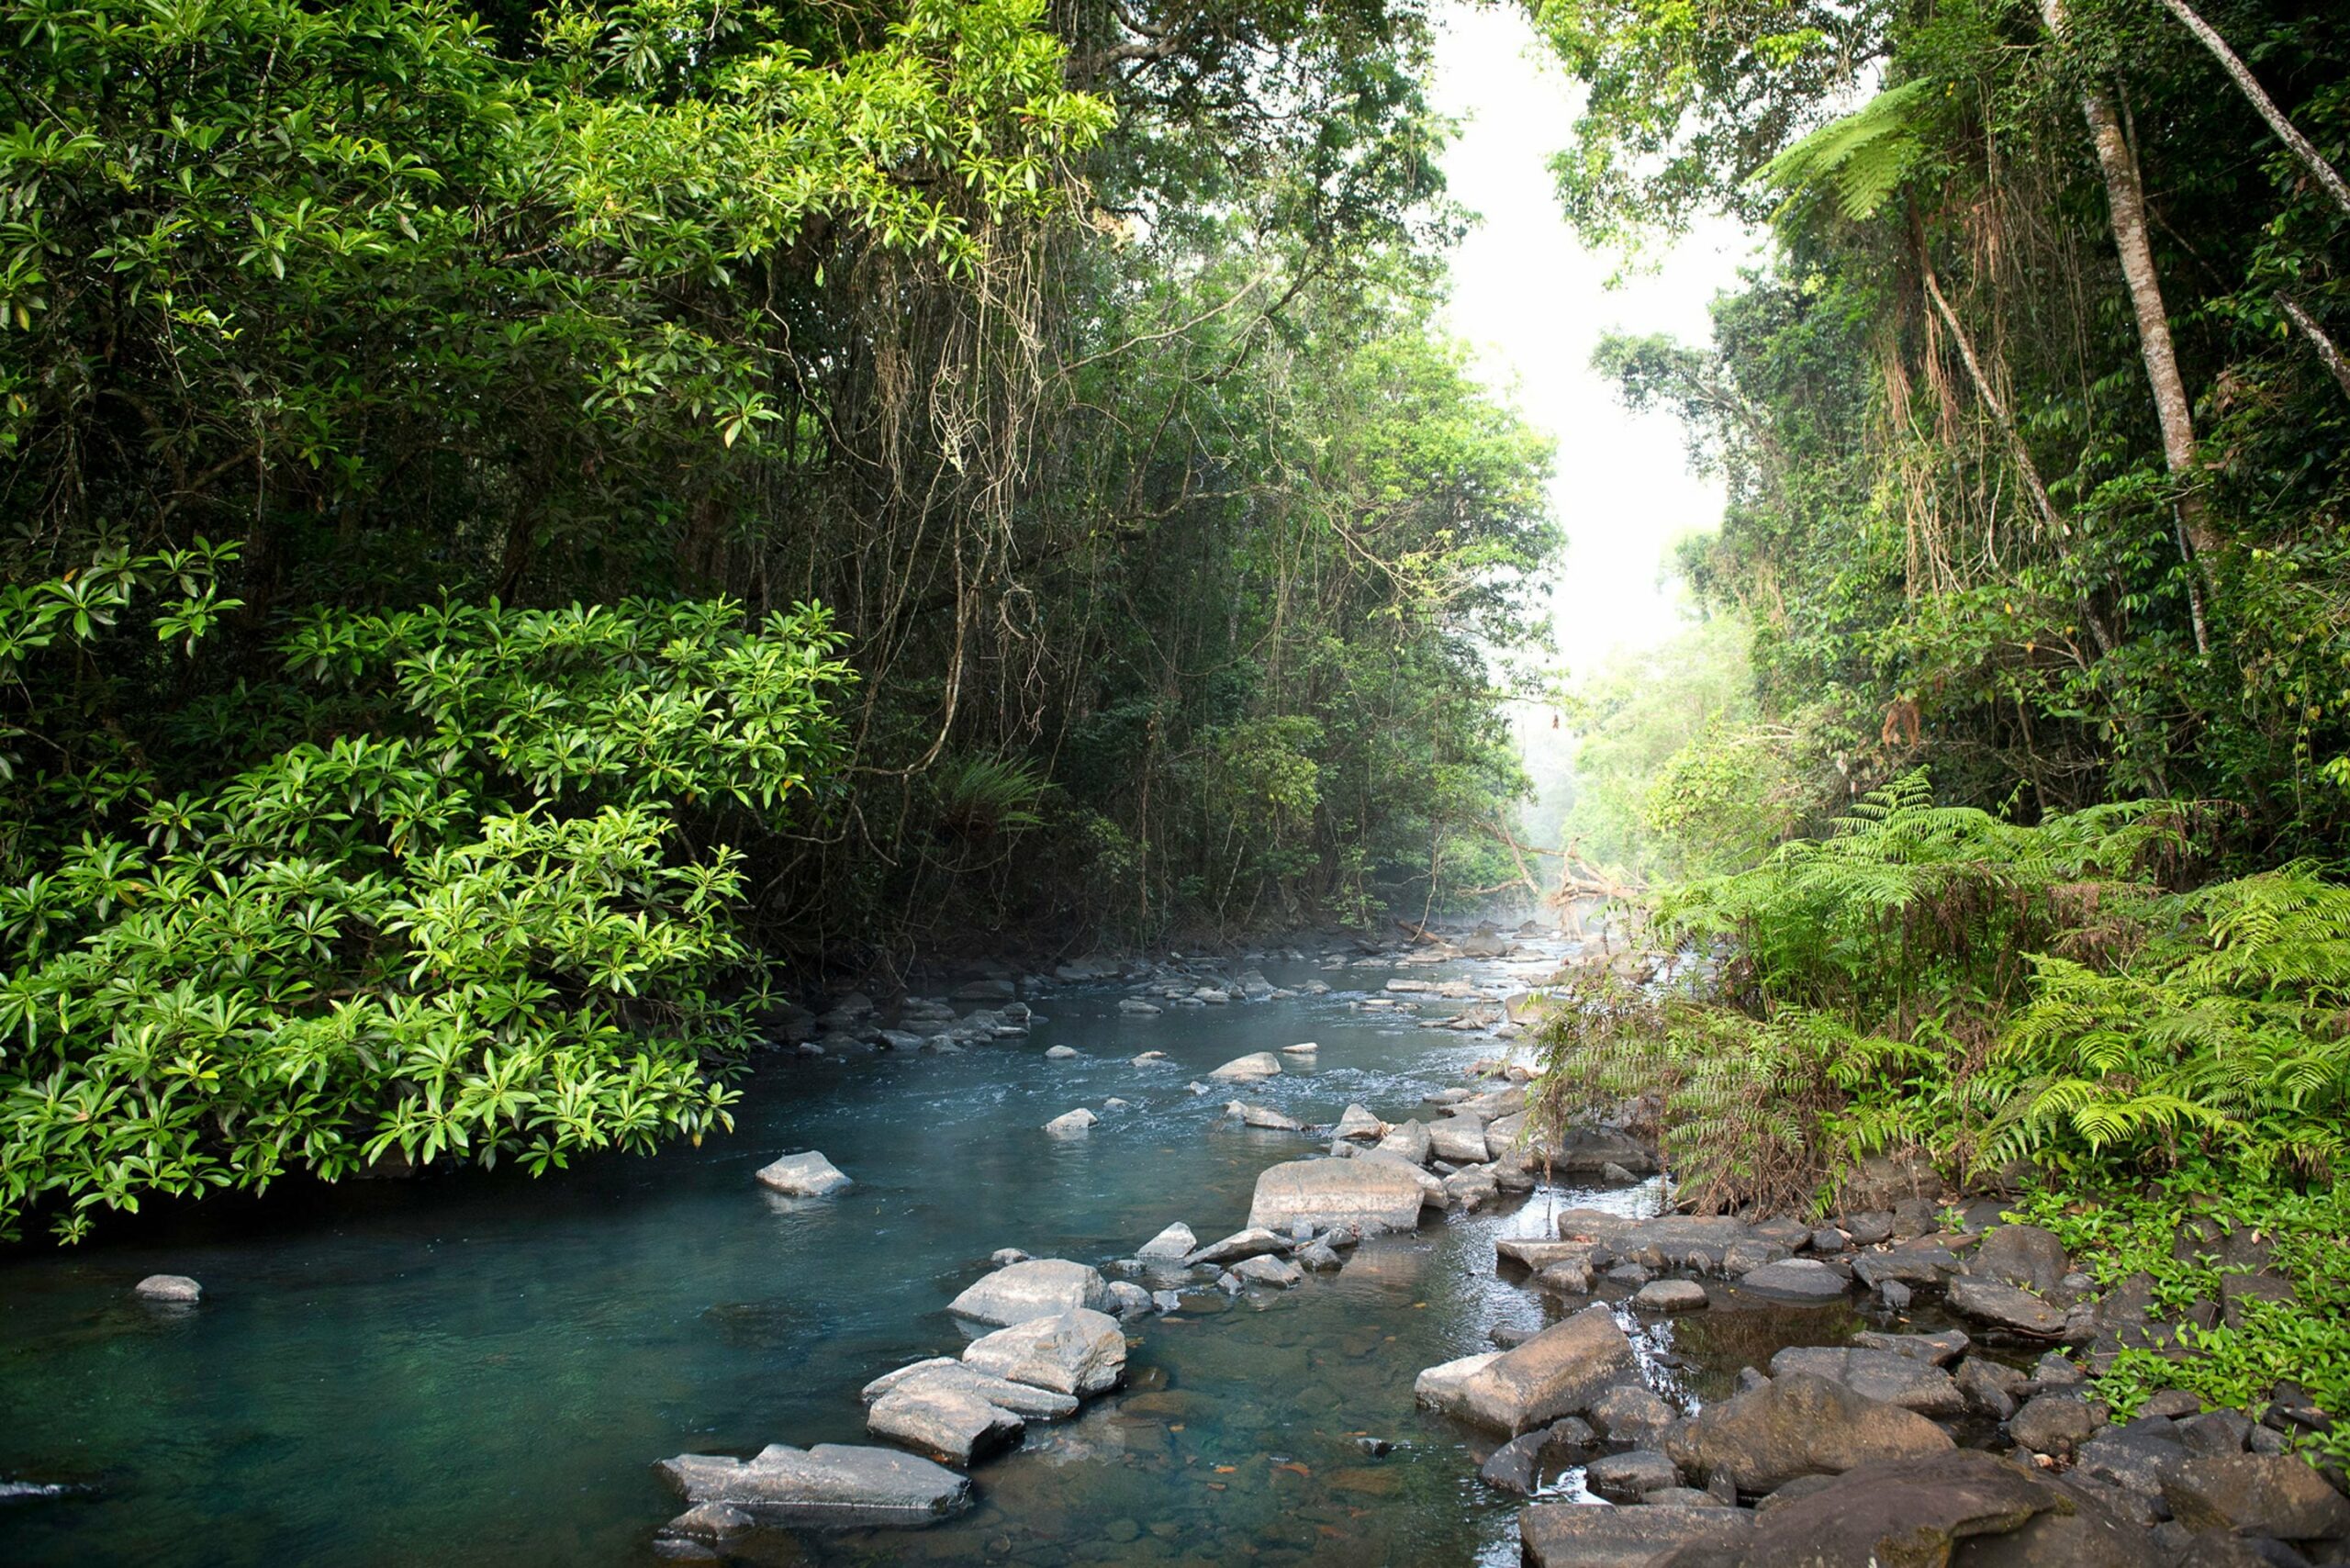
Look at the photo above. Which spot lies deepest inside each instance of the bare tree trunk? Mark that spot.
(1983, 389)
(2126, 206)
(2326, 350)
(2025, 466)
(2312, 158)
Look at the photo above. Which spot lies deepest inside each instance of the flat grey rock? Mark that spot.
(1021, 1398)
(1376, 1195)
(1571, 1535)
(1799, 1278)
(831, 1483)
(2005, 1306)
(1172, 1245)
(1080, 1352)
(1256, 1064)
(949, 1421)
(1885, 1375)
(1041, 1287)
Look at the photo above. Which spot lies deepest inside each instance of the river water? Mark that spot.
(484, 1367)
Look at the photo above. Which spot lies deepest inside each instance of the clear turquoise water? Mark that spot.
(485, 1367)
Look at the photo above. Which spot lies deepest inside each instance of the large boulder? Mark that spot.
(1461, 1139)
(1039, 1287)
(1244, 1069)
(809, 1175)
(2005, 1306)
(1407, 1141)
(1376, 1194)
(1079, 1353)
(2276, 1495)
(1964, 1507)
(1798, 1425)
(1886, 1375)
(2023, 1255)
(831, 1483)
(1571, 1535)
(953, 1422)
(1559, 1371)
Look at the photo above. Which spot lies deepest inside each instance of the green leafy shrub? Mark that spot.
(485, 910)
(1934, 977)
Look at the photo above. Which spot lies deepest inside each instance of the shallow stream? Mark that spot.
(484, 1367)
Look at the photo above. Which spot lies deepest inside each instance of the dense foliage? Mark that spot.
(1075, 362)
(2034, 437)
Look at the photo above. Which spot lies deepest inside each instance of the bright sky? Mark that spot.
(1534, 303)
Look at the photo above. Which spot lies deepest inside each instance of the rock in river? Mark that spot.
(1461, 1139)
(1020, 1398)
(1961, 1506)
(1886, 1375)
(1256, 1064)
(168, 1287)
(1376, 1194)
(1559, 1371)
(1572, 1535)
(1670, 1295)
(1079, 1353)
(1273, 1272)
(1263, 1117)
(830, 1484)
(1803, 1279)
(1798, 1425)
(1357, 1122)
(809, 1175)
(1170, 1245)
(950, 1422)
(2005, 1306)
(1071, 1122)
(1252, 1242)
(1041, 1287)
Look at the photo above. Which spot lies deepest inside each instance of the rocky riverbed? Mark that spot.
(1299, 1295)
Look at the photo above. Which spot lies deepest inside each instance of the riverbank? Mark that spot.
(382, 1377)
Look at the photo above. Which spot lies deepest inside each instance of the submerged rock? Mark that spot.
(1372, 1194)
(1041, 1287)
(809, 1175)
(831, 1483)
(1072, 1123)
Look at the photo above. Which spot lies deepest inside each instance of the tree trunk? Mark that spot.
(2126, 205)
(2298, 144)
(2326, 350)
